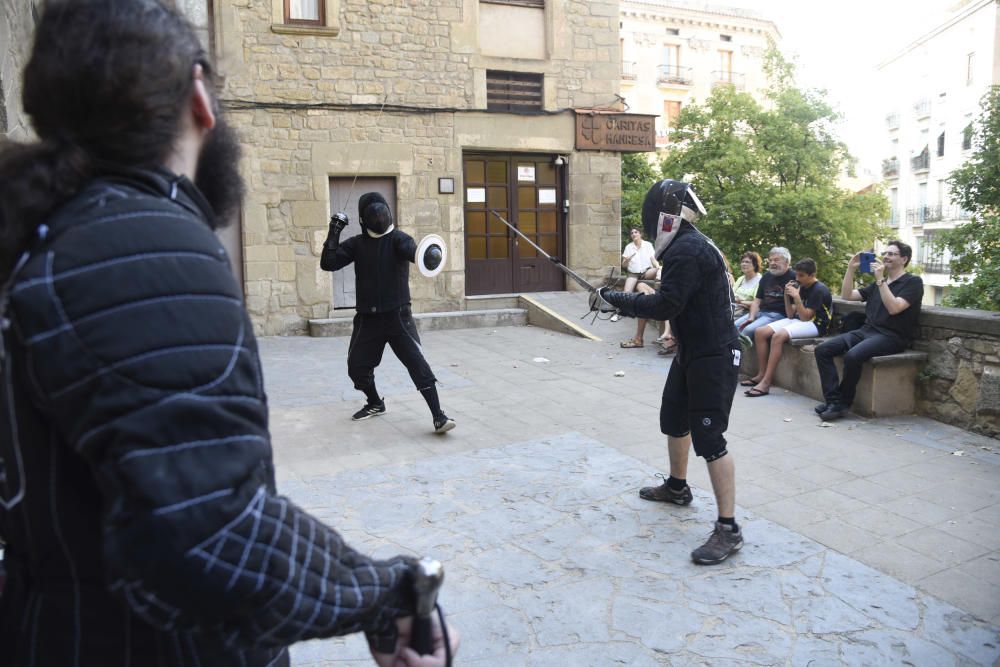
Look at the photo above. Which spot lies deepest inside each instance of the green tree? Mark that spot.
(975, 186)
(638, 176)
(767, 173)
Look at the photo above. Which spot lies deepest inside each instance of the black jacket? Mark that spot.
(695, 295)
(138, 498)
(381, 266)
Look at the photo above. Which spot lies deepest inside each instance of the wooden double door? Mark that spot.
(527, 190)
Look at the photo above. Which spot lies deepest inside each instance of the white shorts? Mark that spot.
(795, 328)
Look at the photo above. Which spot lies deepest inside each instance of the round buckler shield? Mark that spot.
(431, 255)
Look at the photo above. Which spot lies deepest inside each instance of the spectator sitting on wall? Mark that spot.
(808, 304)
(745, 287)
(639, 261)
(892, 313)
(769, 303)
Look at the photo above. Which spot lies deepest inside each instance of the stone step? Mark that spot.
(459, 319)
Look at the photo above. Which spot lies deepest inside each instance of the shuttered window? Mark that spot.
(513, 91)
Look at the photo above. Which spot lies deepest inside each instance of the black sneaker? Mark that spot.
(821, 408)
(664, 494)
(834, 411)
(443, 424)
(370, 410)
(724, 541)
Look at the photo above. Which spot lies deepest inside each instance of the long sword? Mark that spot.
(562, 267)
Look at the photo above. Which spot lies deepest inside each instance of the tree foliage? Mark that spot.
(638, 176)
(767, 173)
(975, 186)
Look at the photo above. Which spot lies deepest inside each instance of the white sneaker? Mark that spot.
(615, 317)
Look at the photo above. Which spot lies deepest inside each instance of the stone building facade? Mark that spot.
(675, 52)
(402, 95)
(17, 20)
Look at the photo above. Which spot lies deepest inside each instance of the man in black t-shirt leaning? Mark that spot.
(892, 313)
(808, 304)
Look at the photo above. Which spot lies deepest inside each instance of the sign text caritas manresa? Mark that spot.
(616, 132)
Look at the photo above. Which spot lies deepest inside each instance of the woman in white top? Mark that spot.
(745, 287)
(639, 262)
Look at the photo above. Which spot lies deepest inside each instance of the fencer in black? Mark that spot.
(382, 256)
(137, 490)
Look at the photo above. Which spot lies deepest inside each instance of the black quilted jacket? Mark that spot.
(381, 268)
(137, 494)
(695, 295)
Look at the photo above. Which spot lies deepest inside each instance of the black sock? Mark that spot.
(675, 484)
(729, 521)
(430, 395)
(371, 393)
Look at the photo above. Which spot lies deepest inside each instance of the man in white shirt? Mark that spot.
(639, 262)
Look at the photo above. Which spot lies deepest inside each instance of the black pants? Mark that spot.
(857, 347)
(371, 333)
(697, 398)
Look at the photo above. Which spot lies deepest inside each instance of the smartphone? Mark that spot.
(866, 261)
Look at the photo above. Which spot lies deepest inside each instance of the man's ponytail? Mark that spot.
(35, 179)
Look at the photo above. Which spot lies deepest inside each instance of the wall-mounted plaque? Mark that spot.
(621, 132)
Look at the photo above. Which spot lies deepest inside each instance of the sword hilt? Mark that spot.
(428, 575)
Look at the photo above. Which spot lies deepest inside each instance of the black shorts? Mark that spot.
(697, 399)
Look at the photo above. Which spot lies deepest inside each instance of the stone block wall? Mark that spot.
(16, 27)
(307, 109)
(960, 383)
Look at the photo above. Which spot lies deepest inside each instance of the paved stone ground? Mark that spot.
(867, 543)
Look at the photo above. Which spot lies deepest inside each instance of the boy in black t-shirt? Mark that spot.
(893, 312)
(807, 304)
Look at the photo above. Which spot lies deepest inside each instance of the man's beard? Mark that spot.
(218, 175)
(777, 272)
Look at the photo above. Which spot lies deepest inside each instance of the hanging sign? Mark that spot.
(620, 132)
(526, 173)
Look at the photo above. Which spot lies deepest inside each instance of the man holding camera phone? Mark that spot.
(892, 314)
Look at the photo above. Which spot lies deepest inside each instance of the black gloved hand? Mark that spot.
(599, 302)
(338, 221)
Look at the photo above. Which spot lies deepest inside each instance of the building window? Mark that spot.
(726, 63)
(304, 12)
(726, 38)
(970, 68)
(513, 91)
(967, 137)
(671, 55)
(671, 112)
(523, 3)
(940, 146)
(673, 31)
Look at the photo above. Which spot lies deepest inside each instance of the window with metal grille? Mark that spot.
(513, 91)
(523, 3)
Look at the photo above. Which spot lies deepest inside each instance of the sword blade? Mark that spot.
(580, 280)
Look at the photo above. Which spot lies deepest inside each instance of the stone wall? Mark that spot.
(960, 384)
(16, 27)
(306, 106)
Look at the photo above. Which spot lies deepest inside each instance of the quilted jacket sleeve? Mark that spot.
(679, 279)
(145, 360)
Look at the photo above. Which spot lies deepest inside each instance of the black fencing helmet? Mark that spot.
(668, 203)
(374, 213)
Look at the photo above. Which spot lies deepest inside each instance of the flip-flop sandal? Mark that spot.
(748, 383)
(754, 393)
(629, 344)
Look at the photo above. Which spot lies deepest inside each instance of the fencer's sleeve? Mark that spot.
(155, 382)
(678, 281)
(336, 257)
(406, 247)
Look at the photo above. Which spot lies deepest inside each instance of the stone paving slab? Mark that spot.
(888, 493)
(551, 559)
